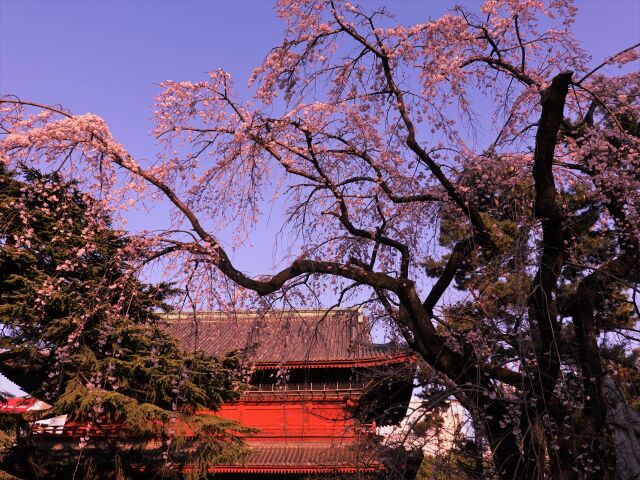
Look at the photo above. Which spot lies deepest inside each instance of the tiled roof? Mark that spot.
(305, 458)
(280, 337)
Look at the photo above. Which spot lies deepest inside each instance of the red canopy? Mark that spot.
(22, 404)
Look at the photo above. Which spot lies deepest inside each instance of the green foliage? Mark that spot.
(9, 425)
(453, 465)
(500, 280)
(82, 332)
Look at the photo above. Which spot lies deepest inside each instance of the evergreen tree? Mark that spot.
(82, 332)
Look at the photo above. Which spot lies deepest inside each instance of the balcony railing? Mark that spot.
(307, 387)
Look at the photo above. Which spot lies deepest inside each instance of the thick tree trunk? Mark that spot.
(543, 315)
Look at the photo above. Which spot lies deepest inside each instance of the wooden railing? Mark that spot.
(76, 429)
(307, 387)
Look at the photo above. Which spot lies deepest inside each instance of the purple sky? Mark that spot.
(106, 57)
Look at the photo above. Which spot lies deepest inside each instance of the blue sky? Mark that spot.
(107, 57)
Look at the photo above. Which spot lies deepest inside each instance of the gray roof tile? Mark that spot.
(279, 337)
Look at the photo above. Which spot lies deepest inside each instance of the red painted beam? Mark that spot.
(360, 362)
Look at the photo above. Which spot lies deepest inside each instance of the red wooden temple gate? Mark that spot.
(318, 388)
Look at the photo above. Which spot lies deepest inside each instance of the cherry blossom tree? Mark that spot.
(474, 180)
